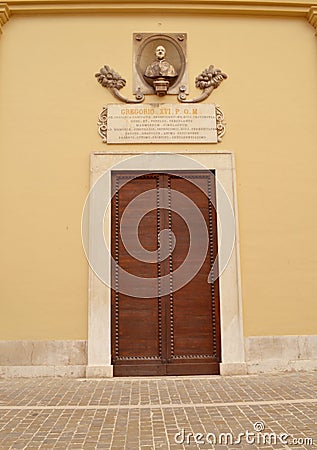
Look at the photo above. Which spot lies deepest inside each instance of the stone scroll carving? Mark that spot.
(207, 81)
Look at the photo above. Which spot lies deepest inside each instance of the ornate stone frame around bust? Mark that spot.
(141, 44)
(99, 317)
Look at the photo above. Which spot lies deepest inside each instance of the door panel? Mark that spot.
(129, 314)
(176, 331)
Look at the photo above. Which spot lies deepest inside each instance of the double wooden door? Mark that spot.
(165, 305)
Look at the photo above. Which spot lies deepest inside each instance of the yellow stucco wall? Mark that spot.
(49, 105)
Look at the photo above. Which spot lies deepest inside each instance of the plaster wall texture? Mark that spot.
(49, 107)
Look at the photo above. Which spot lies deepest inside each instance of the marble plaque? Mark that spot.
(161, 123)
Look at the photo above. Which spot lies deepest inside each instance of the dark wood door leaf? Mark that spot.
(165, 313)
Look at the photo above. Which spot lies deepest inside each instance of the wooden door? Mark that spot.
(165, 313)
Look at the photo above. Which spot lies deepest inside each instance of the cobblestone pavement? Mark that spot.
(224, 413)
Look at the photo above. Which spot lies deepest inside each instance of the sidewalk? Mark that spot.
(205, 412)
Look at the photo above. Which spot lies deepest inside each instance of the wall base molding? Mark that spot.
(277, 366)
(264, 354)
(227, 369)
(276, 354)
(42, 371)
(43, 353)
(99, 371)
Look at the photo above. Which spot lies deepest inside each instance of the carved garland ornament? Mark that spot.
(110, 79)
(207, 81)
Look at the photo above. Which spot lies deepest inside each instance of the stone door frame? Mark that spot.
(99, 294)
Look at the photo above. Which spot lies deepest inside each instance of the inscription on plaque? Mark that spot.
(165, 123)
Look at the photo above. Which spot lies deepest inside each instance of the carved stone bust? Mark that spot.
(160, 68)
(160, 72)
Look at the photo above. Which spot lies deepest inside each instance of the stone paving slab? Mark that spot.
(223, 413)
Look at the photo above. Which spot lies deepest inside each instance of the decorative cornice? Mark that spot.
(285, 8)
(4, 15)
(288, 8)
(312, 17)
